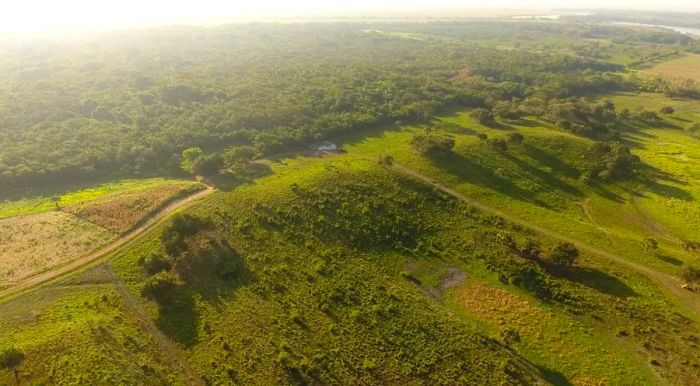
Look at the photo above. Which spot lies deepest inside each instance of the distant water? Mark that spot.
(683, 30)
(551, 17)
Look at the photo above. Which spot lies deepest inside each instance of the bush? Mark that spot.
(181, 226)
(160, 287)
(155, 263)
(482, 115)
(431, 145)
(515, 138)
(667, 110)
(691, 276)
(564, 253)
(498, 144)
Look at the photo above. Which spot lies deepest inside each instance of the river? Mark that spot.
(683, 30)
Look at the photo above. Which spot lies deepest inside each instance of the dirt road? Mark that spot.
(27, 283)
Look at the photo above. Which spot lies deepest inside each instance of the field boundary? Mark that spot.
(46, 276)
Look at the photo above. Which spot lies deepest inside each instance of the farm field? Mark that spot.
(685, 67)
(37, 236)
(33, 243)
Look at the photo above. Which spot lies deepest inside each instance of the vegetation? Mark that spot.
(483, 227)
(433, 146)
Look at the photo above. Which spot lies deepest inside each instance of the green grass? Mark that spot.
(356, 274)
(80, 332)
(295, 259)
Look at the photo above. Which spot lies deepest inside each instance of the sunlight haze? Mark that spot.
(67, 15)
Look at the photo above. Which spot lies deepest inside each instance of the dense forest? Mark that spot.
(129, 103)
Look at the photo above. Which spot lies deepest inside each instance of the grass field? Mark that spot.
(354, 273)
(121, 211)
(29, 244)
(683, 67)
(81, 332)
(35, 236)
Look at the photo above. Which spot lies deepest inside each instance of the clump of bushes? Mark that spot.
(611, 161)
(565, 254)
(432, 145)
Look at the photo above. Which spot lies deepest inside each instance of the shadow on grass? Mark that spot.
(670, 260)
(554, 377)
(550, 161)
(179, 320)
(468, 170)
(594, 279)
(546, 178)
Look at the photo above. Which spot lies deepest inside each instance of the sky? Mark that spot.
(28, 16)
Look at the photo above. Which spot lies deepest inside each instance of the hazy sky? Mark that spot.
(48, 15)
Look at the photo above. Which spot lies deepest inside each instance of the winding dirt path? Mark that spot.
(41, 278)
(670, 283)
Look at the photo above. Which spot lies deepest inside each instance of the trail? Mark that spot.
(44, 277)
(174, 354)
(669, 282)
(587, 211)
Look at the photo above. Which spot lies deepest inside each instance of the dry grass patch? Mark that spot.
(30, 244)
(122, 212)
(685, 67)
(550, 340)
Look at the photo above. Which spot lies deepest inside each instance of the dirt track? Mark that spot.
(27, 283)
(668, 282)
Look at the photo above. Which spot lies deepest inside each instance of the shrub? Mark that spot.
(11, 358)
(498, 144)
(385, 160)
(650, 244)
(531, 250)
(515, 138)
(667, 110)
(431, 145)
(648, 116)
(612, 161)
(482, 115)
(181, 226)
(691, 276)
(155, 263)
(160, 287)
(564, 253)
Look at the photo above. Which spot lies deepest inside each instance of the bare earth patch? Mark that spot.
(121, 213)
(29, 244)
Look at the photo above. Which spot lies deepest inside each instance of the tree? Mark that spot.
(155, 263)
(648, 116)
(531, 250)
(240, 154)
(482, 115)
(650, 244)
(11, 358)
(208, 165)
(499, 144)
(564, 253)
(432, 145)
(515, 138)
(189, 157)
(160, 287)
(691, 276)
(667, 110)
